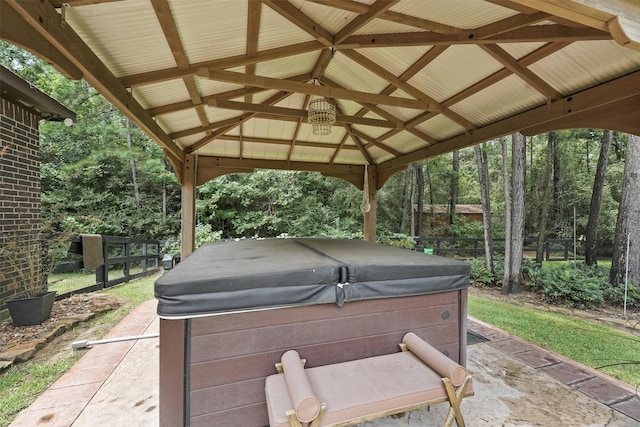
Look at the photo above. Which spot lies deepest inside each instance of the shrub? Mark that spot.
(580, 286)
(399, 241)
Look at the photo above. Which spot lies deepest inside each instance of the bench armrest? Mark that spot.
(433, 358)
(305, 403)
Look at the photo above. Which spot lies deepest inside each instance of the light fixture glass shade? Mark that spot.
(322, 115)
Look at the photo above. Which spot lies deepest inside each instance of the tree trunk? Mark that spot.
(546, 197)
(420, 190)
(628, 224)
(455, 185)
(518, 170)
(429, 185)
(483, 175)
(591, 256)
(405, 199)
(413, 201)
(557, 178)
(134, 172)
(507, 216)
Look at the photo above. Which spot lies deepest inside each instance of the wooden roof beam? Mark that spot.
(45, 20)
(243, 118)
(326, 91)
(524, 73)
(295, 113)
(605, 94)
(535, 33)
(170, 30)
(229, 62)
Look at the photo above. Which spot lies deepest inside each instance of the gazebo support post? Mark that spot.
(188, 211)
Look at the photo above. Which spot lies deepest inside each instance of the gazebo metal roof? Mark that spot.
(226, 83)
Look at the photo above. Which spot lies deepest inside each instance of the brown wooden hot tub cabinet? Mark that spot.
(230, 310)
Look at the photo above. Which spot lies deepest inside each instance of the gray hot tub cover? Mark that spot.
(255, 274)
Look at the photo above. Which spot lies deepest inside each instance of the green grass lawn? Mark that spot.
(591, 344)
(21, 384)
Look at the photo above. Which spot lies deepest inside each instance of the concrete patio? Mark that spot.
(516, 384)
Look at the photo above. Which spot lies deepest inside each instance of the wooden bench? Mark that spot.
(351, 392)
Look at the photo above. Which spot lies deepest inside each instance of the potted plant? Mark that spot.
(30, 255)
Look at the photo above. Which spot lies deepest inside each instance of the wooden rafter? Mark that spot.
(326, 91)
(219, 64)
(168, 25)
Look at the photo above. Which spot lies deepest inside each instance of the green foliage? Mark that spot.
(480, 274)
(463, 227)
(576, 287)
(398, 241)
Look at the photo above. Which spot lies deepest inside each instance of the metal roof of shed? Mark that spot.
(230, 80)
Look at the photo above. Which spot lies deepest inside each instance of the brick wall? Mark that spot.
(19, 184)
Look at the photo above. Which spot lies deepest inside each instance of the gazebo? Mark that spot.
(351, 89)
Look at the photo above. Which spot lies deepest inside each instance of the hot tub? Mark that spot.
(229, 311)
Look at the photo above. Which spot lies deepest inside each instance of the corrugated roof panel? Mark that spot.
(188, 141)
(208, 87)
(291, 66)
(296, 101)
(498, 101)
(258, 150)
(306, 134)
(396, 59)
(456, 13)
(454, 70)
(381, 26)
(311, 154)
(114, 32)
(329, 18)
(379, 154)
(349, 157)
(585, 64)
(277, 31)
(179, 120)
(371, 131)
(440, 127)
(403, 114)
(221, 147)
(205, 35)
(405, 142)
(350, 108)
(518, 50)
(270, 129)
(260, 97)
(163, 93)
(351, 75)
(219, 114)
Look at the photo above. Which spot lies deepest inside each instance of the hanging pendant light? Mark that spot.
(322, 115)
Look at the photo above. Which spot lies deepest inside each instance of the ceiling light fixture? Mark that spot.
(322, 115)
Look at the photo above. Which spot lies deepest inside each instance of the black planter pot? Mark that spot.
(31, 311)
